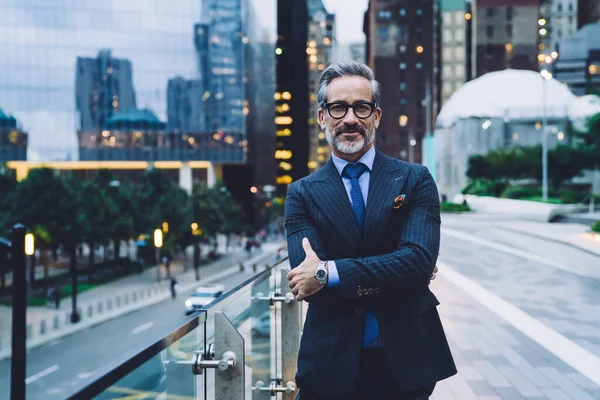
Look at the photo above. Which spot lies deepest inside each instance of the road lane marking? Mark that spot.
(84, 375)
(41, 374)
(142, 327)
(583, 361)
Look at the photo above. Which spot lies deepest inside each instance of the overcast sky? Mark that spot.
(348, 18)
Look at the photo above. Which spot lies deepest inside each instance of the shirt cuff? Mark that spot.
(333, 279)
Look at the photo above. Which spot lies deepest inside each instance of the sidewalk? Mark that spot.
(120, 297)
(574, 235)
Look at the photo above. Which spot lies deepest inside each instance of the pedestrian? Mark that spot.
(249, 246)
(57, 296)
(173, 288)
(363, 238)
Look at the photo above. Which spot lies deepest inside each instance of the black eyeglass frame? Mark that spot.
(327, 106)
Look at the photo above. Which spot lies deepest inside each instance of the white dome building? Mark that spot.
(497, 110)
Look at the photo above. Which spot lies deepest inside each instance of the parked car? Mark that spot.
(203, 296)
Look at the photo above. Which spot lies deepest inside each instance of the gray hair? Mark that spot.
(347, 68)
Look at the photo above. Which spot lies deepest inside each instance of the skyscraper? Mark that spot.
(557, 21)
(291, 94)
(506, 35)
(186, 105)
(400, 50)
(587, 11)
(103, 85)
(13, 141)
(221, 67)
(319, 52)
(456, 55)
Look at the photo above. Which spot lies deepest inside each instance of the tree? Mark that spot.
(94, 212)
(206, 212)
(591, 138)
(123, 214)
(566, 162)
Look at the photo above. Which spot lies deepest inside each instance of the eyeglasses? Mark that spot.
(362, 109)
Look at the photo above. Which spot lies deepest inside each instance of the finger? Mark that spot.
(294, 282)
(291, 275)
(306, 246)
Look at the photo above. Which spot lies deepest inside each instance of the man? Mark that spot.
(363, 239)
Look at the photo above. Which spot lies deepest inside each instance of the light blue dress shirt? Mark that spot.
(368, 158)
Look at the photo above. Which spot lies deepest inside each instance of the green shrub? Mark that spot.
(596, 227)
(572, 196)
(520, 192)
(454, 207)
(485, 187)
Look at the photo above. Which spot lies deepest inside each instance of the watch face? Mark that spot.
(321, 274)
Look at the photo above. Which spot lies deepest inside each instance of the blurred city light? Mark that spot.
(158, 238)
(29, 244)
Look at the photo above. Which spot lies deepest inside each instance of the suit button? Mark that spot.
(359, 310)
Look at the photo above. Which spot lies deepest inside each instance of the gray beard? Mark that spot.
(350, 147)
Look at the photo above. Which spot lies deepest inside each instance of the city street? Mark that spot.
(520, 312)
(59, 367)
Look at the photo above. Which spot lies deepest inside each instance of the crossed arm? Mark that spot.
(411, 264)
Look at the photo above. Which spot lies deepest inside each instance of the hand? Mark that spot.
(302, 279)
(435, 271)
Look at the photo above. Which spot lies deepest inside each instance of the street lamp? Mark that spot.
(19, 312)
(158, 242)
(546, 76)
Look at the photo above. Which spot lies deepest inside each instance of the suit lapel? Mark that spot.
(329, 194)
(387, 179)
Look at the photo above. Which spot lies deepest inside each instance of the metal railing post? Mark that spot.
(291, 325)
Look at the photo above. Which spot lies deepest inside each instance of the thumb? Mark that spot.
(306, 246)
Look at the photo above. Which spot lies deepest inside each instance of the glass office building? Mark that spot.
(130, 80)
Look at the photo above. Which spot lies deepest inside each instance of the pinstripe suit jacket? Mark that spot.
(387, 270)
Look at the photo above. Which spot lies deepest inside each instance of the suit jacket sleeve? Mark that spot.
(411, 264)
(298, 226)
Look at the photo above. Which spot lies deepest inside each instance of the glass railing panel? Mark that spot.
(161, 370)
(248, 309)
(260, 330)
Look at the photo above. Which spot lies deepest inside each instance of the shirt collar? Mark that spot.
(368, 158)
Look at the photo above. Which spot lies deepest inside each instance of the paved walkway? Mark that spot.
(575, 235)
(497, 361)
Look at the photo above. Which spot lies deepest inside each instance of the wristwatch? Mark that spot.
(321, 273)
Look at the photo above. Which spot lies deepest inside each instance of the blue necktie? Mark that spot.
(353, 172)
